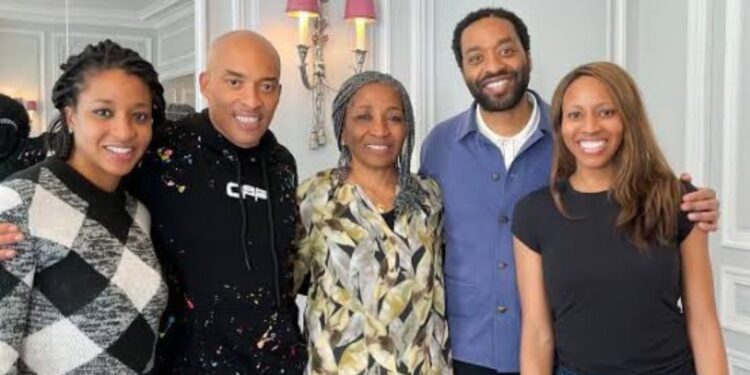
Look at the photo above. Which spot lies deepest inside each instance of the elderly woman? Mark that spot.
(370, 243)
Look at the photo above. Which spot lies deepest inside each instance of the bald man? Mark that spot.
(220, 190)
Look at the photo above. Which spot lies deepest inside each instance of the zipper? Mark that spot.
(272, 229)
(243, 210)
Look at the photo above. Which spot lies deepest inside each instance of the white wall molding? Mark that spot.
(167, 74)
(253, 22)
(51, 15)
(738, 361)
(245, 14)
(161, 40)
(384, 31)
(730, 279)
(155, 8)
(175, 53)
(174, 15)
(697, 109)
(42, 86)
(141, 44)
(150, 17)
(617, 32)
(238, 14)
(201, 47)
(174, 66)
(422, 70)
(732, 236)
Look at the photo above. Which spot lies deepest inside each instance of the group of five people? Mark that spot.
(404, 273)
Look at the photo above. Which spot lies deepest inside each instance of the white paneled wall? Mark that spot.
(39, 49)
(40, 44)
(22, 75)
(411, 40)
(175, 47)
(729, 170)
(687, 57)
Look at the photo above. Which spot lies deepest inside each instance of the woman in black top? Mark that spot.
(604, 255)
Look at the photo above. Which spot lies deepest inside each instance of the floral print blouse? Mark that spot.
(376, 301)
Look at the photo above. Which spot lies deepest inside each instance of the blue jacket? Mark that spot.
(479, 195)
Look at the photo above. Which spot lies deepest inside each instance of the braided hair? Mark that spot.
(95, 58)
(410, 192)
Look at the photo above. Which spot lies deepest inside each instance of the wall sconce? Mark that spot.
(31, 105)
(31, 108)
(360, 12)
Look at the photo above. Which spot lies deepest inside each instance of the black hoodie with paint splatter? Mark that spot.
(223, 225)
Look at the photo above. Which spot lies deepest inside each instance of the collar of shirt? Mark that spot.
(510, 146)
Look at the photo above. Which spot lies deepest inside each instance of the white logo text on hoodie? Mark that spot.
(238, 191)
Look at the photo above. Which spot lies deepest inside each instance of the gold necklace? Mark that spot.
(380, 207)
(371, 196)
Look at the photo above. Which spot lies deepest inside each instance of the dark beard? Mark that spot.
(492, 104)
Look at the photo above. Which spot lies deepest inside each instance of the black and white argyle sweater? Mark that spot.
(85, 293)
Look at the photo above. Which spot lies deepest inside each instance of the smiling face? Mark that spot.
(374, 127)
(495, 65)
(241, 85)
(592, 127)
(111, 125)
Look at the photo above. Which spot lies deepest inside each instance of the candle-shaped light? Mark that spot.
(304, 27)
(360, 34)
(303, 10)
(361, 12)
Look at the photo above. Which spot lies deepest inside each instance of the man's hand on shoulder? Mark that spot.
(9, 236)
(702, 206)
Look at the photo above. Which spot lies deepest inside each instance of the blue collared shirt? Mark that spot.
(479, 194)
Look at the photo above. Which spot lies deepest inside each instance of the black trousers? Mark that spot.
(463, 368)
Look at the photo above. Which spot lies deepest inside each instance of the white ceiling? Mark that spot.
(104, 5)
(142, 13)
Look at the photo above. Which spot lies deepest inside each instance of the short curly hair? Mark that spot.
(498, 12)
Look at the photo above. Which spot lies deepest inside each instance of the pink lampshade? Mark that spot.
(293, 7)
(359, 9)
(31, 105)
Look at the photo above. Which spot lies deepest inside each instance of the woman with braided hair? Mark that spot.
(85, 293)
(370, 242)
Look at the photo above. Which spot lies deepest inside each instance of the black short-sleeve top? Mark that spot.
(615, 308)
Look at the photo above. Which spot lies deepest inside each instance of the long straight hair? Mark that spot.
(645, 188)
